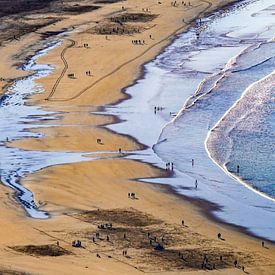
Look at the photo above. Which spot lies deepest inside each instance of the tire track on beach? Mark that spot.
(66, 66)
(81, 92)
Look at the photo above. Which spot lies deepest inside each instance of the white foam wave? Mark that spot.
(223, 166)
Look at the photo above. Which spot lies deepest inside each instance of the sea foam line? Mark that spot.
(223, 167)
(228, 66)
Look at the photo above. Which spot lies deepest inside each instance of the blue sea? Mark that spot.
(241, 135)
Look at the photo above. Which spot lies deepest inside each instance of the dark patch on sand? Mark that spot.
(42, 250)
(142, 234)
(127, 217)
(124, 24)
(134, 17)
(20, 17)
(111, 28)
(76, 9)
(192, 258)
(12, 272)
(8, 7)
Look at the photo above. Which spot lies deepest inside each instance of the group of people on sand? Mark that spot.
(158, 244)
(145, 9)
(206, 265)
(88, 73)
(76, 243)
(105, 226)
(138, 42)
(102, 226)
(115, 30)
(175, 4)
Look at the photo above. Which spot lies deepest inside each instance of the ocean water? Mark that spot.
(245, 136)
(216, 90)
(242, 137)
(242, 133)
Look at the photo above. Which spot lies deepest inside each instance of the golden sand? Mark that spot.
(82, 196)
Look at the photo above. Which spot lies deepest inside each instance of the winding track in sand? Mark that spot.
(66, 66)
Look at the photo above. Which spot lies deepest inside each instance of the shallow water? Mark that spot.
(17, 118)
(197, 80)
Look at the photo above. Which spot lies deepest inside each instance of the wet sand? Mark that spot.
(81, 196)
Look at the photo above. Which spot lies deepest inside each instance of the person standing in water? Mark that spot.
(196, 185)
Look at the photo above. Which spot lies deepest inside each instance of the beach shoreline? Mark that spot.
(58, 207)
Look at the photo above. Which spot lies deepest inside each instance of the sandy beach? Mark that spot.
(100, 53)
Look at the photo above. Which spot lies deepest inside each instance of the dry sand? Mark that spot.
(82, 196)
